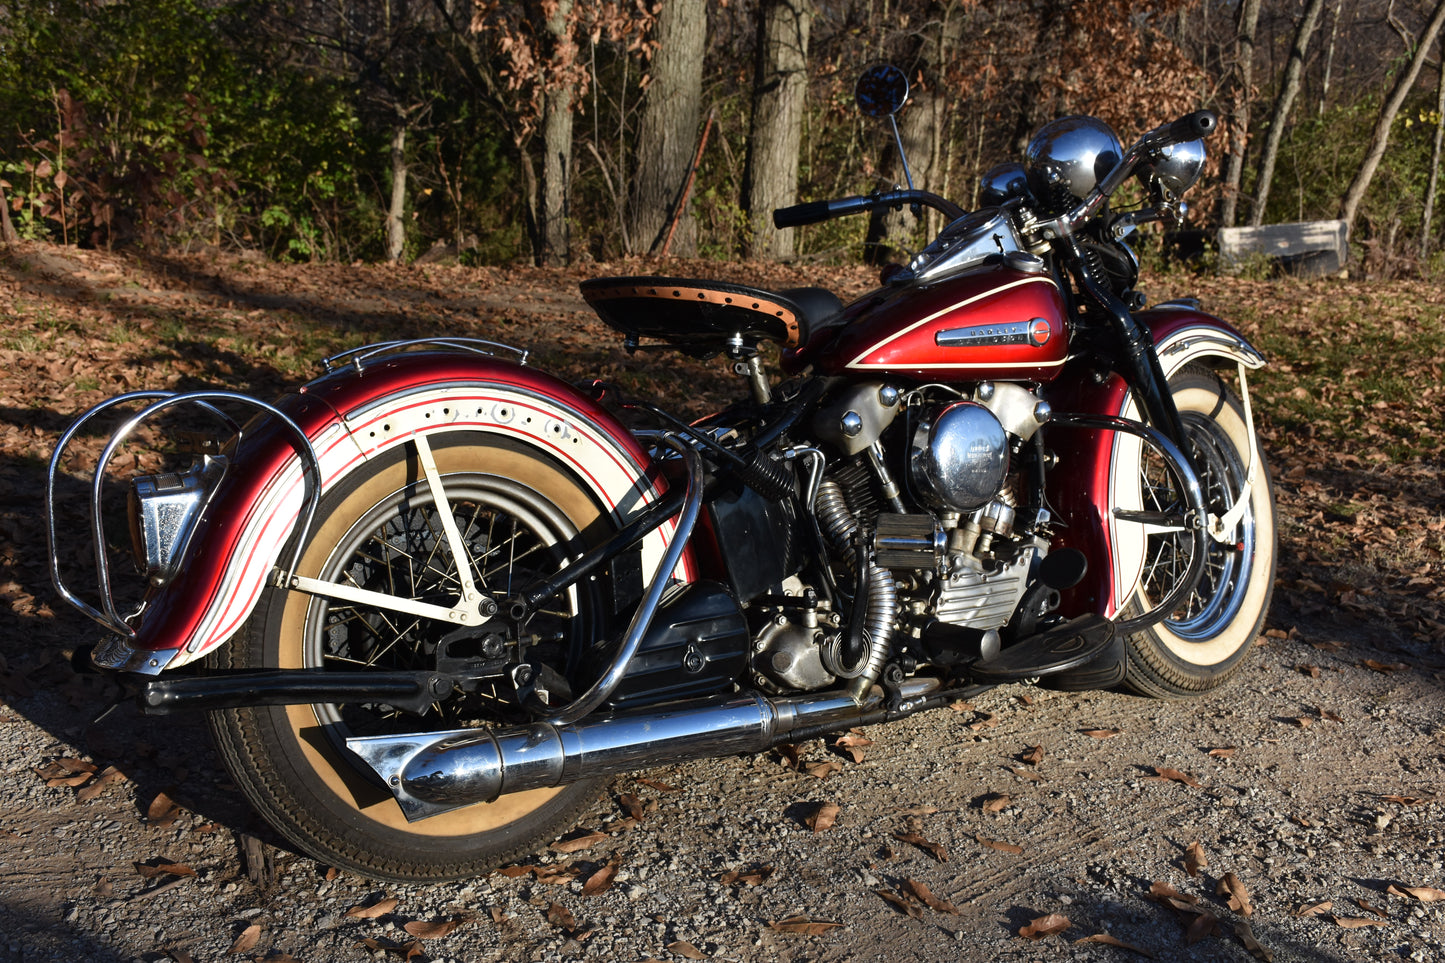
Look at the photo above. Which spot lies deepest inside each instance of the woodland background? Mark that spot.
(568, 130)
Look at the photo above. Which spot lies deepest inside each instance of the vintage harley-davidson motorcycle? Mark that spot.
(436, 597)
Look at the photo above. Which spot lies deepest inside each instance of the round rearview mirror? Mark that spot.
(881, 90)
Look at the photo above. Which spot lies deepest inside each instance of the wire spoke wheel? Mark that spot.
(1205, 641)
(519, 515)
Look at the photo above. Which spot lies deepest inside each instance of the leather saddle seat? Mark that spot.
(705, 317)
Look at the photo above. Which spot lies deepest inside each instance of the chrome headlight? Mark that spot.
(164, 509)
(1068, 157)
(1175, 168)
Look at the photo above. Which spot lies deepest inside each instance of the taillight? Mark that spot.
(163, 513)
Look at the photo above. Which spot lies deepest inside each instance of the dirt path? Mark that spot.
(1317, 778)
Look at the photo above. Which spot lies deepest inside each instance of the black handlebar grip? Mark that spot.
(1193, 126)
(800, 214)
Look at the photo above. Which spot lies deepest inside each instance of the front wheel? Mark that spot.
(1206, 641)
(520, 515)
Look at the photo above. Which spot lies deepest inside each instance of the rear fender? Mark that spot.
(351, 417)
(1097, 468)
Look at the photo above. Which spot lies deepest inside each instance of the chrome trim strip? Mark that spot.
(858, 362)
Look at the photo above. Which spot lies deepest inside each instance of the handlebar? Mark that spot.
(814, 212)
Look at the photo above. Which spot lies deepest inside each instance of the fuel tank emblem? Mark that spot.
(1034, 332)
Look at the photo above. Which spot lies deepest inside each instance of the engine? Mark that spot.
(949, 557)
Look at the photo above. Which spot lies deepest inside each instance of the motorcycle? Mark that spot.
(436, 597)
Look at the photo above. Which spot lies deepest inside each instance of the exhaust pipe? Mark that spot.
(431, 773)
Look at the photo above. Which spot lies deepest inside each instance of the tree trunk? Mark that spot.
(667, 134)
(557, 149)
(921, 127)
(780, 86)
(1239, 116)
(7, 230)
(1350, 204)
(556, 173)
(1330, 57)
(1434, 166)
(1289, 89)
(396, 213)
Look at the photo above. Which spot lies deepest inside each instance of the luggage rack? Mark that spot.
(357, 357)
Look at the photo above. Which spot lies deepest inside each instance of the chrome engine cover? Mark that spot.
(960, 457)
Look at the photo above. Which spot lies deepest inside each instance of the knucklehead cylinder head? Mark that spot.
(960, 458)
(855, 419)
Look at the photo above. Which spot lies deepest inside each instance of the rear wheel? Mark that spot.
(1206, 641)
(520, 516)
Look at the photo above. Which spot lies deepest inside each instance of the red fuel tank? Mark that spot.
(993, 323)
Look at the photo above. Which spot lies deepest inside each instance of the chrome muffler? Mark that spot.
(431, 773)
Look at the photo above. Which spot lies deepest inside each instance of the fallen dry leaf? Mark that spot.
(162, 811)
(559, 874)
(1224, 752)
(1001, 847)
(901, 903)
(934, 849)
(631, 805)
(821, 819)
(109, 775)
(499, 915)
(513, 871)
(423, 930)
(248, 939)
(659, 786)
(985, 720)
(1384, 666)
(1315, 909)
(822, 770)
(853, 742)
(601, 881)
(1194, 858)
(790, 754)
(921, 891)
(1028, 774)
(1405, 800)
(378, 909)
(1101, 734)
(1362, 904)
(995, 802)
(578, 843)
(1424, 894)
(1203, 926)
(960, 707)
(155, 870)
(1303, 722)
(1108, 940)
(559, 916)
(1238, 895)
(1174, 775)
(404, 950)
(1355, 922)
(686, 950)
(1032, 756)
(802, 925)
(1049, 925)
(1327, 714)
(1256, 949)
(751, 877)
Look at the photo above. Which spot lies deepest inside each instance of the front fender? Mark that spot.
(350, 417)
(1098, 468)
